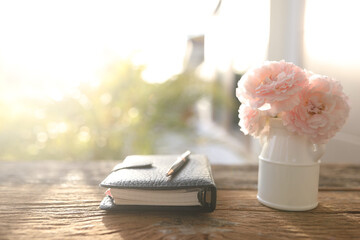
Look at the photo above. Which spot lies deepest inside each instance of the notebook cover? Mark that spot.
(196, 173)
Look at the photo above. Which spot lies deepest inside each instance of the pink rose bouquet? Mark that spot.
(252, 121)
(274, 86)
(308, 104)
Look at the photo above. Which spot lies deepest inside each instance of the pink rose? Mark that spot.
(274, 86)
(252, 121)
(322, 111)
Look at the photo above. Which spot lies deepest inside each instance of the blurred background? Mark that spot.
(89, 80)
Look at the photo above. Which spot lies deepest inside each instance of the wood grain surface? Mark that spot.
(59, 200)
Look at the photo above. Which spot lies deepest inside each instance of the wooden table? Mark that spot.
(59, 200)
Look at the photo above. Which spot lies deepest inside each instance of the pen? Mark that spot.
(178, 163)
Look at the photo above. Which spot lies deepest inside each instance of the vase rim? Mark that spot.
(276, 122)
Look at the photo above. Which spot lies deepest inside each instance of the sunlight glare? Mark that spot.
(49, 47)
(331, 31)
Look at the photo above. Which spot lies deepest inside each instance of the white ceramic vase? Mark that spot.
(289, 165)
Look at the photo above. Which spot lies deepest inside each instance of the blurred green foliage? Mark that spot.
(123, 115)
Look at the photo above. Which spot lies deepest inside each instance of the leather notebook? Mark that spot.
(191, 188)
